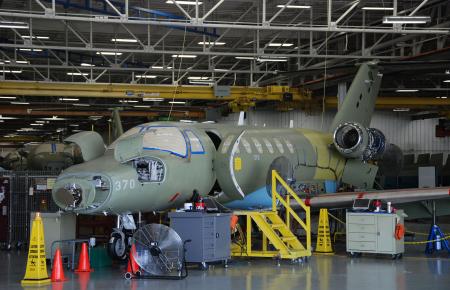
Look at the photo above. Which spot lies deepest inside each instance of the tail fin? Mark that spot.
(359, 103)
(116, 124)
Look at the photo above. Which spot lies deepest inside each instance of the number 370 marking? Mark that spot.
(124, 184)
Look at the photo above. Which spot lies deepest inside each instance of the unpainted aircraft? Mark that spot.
(157, 166)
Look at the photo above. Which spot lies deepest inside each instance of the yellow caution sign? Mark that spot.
(323, 233)
(36, 272)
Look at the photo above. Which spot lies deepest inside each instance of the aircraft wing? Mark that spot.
(397, 196)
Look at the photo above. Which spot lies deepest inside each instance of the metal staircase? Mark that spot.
(275, 232)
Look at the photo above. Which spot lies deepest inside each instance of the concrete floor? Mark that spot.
(320, 272)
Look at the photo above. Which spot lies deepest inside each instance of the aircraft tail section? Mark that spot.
(359, 103)
(116, 124)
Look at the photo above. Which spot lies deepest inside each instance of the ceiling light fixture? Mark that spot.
(17, 61)
(295, 6)
(446, 81)
(197, 78)
(7, 71)
(184, 2)
(8, 98)
(19, 103)
(142, 106)
(108, 53)
(378, 8)
(211, 43)
(245, 57)
(184, 56)
(81, 105)
(177, 102)
(161, 67)
(77, 74)
(12, 24)
(278, 59)
(277, 44)
(401, 110)
(31, 49)
(87, 64)
(69, 99)
(128, 101)
(406, 19)
(406, 90)
(146, 76)
(152, 99)
(35, 37)
(130, 40)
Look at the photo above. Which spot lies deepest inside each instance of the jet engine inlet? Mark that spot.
(353, 140)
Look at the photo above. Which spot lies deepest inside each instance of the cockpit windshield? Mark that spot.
(164, 138)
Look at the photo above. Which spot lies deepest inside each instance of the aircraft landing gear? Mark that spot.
(121, 237)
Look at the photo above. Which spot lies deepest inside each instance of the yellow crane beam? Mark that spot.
(116, 90)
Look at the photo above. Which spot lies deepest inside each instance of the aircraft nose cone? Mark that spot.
(73, 194)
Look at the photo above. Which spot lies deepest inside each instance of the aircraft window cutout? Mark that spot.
(268, 145)
(149, 170)
(196, 144)
(289, 146)
(227, 143)
(258, 145)
(167, 139)
(279, 145)
(247, 146)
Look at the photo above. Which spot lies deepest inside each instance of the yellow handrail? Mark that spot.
(276, 178)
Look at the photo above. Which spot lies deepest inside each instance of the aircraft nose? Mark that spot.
(79, 194)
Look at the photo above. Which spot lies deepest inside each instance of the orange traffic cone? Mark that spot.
(132, 267)
(57, 269)
(83, 261)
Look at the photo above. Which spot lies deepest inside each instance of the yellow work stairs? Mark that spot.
(274, 230)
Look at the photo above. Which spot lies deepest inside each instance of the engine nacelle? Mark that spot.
(353, 140)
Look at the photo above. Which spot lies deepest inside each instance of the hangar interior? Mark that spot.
(177, 138)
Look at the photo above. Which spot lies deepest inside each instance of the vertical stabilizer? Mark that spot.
(116, 124)
(359, 103)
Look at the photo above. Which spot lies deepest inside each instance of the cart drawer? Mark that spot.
(361, 246)
(360, 228)
(362, 237)
(362, 219)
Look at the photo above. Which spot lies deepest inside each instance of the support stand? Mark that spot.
(437, 241)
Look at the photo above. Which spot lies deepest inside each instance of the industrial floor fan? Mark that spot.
(160, 253)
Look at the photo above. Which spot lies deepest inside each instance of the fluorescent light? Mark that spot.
(68, 99)
(184, 55)
(220, 70)
(141, 106)
(81, 105)
(30, 49)
(378, 8)
(278, 59)
(7, 71)
(54, 118)
(17, 61)
(447, 72)
(19, 103)
(36, 124)
(35, 37)
(77, 74)
(401, 110)
(447, 81)
(128, 101)
(295, 6)
(108, 53)
(146, 76)
(211, 43)
(205, 82)
(87, 64)
(406, 19)
(406, 90)
(177, 102)
(184, 2)
(444, 97)
(74, 125)
(7, 118)
(152, 99)
(16, 25)
(197, 78)
(41, 122)
(276, 44)
(245, 57)
(131, 40)
(161, 67)
(8, 98)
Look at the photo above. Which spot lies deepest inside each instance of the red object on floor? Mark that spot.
(57, 269)
(83, 262)
(133, 266)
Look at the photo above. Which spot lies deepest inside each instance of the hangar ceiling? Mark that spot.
(309, 46)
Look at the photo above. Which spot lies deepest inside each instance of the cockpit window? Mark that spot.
(169, 139)
(196, 144)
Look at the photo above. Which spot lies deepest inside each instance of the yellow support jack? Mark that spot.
(275, 232)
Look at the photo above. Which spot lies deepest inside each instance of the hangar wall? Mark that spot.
(411, 136)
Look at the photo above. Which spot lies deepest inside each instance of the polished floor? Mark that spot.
(320, 272)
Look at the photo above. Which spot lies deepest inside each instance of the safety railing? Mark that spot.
(286, 202)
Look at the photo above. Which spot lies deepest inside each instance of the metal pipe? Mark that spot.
(212, 9)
